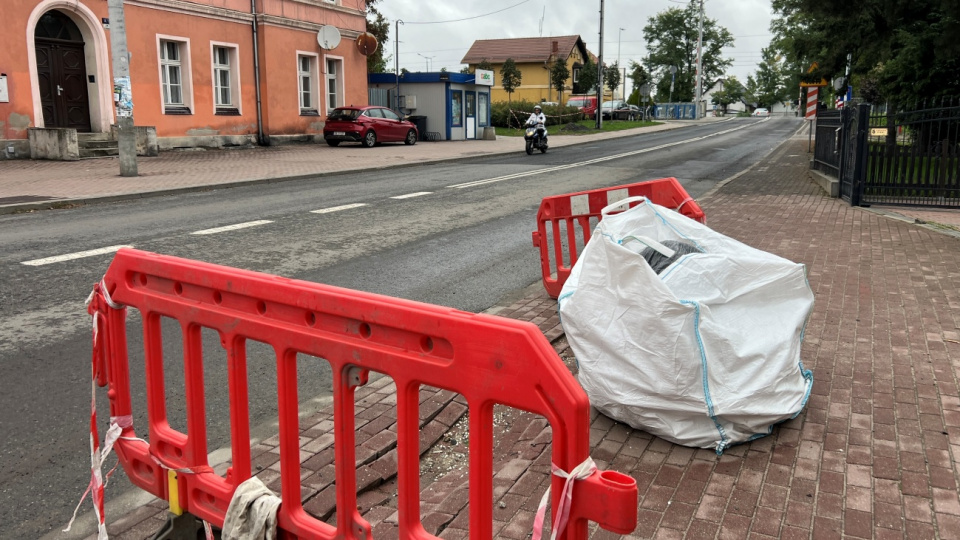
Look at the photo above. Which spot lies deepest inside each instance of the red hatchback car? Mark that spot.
(367, 125)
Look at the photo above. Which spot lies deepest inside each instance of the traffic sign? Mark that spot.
(823, 82)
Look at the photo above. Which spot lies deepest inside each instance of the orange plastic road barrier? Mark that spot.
(489, 360)
(560, 215)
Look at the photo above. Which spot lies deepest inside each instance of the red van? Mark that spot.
(587, 104)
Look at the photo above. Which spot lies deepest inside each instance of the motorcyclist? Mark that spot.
(537, 117)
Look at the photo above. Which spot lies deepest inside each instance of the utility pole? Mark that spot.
(396, 63)
(699, 63)
(600, 74)
(126, 133)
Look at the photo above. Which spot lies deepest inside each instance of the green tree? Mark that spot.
(771, 80)
(465, 70)
(559, 74)
(901, 51)
(510, 77)
(379, 26)
(732, 91)
(611, 77)
(586, 82)
(671, 37)
(484, 65)
(640, 77)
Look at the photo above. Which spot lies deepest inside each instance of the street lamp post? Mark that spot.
(699, 63)
(599, 112)
(673, 76)
(428, 60)
(622, 82)
(396, 62)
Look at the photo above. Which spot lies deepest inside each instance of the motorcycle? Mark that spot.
(536, 138)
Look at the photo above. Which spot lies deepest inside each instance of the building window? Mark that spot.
(175, 76)
(226, 79)
(484, 101)
(334, 83)
(307, 85)
(456, 108)
(171, 72)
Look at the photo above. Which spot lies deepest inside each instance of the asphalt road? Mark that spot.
(454, 234)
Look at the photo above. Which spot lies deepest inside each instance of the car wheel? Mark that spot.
(370, 139)
(411, 138)
(333, 143)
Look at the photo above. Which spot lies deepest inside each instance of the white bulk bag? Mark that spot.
(705, 354)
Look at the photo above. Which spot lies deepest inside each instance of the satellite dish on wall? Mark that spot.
(328, 37)
(367, 43)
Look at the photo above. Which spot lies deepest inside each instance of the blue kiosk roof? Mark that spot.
(433, 77)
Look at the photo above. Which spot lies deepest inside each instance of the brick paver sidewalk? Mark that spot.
(874, 455)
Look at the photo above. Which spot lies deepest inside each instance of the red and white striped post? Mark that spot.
(811, 114)
(812, 94)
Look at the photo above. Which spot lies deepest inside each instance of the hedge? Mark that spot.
(515, 113)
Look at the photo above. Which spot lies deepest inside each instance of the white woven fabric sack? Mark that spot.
(707, 352)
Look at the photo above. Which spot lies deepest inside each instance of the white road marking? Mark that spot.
(235, 227)
(338, 208)
(412, 195)
(72, 256)
(592, 161)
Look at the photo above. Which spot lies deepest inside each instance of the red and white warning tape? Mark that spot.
(562, 514)
(99, 454)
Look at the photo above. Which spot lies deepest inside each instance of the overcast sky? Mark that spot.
(446, 43)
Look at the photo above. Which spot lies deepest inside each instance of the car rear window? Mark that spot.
(344, 114)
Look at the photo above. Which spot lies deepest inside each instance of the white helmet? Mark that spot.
(536, 107)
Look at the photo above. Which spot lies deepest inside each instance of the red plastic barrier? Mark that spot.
(489, 360)
(577, 210)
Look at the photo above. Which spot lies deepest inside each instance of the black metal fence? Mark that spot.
(913, 156)
(898, 157)
(826, 154)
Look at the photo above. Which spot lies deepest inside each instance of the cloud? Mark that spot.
(444, 44)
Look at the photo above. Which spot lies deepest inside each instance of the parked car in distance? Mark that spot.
(368, 126)
(586, 104)
(627, 112)
(761, 112)
(609, 108)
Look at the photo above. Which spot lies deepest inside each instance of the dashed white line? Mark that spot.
(235, 227)
(72, 256)
(590, 161)
(337, 208)
(412, 195)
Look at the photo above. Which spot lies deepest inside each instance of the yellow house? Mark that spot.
(534, 58)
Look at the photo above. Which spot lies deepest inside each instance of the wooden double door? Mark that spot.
(62, 73)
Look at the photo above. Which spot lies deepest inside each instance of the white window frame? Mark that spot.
(314, 89)
(186, 72)
(233, 65)
(338, 77)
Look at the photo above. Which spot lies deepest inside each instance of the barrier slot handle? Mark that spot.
(622, 202)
